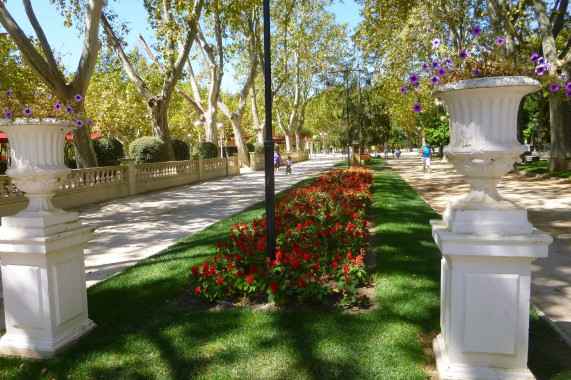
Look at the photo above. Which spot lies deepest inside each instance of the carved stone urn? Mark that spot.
(483, 147)
(487, 243)
(37, 161)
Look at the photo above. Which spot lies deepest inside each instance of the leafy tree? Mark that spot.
(169, 26)
(43, 63)
(113, 100)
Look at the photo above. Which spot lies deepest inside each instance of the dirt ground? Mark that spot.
(548, 202)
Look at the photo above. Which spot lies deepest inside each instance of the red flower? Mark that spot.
(194, 270)
(253, 269)
(249, 279)
(334, 265)
(263, 273)
(240, 273)
(219, 280)
(197, 290)
(300, 281)
(274, 287)
(349, 255)
(347, 280)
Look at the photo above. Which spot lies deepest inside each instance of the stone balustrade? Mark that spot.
(83, 186)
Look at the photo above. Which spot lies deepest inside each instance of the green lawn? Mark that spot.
(141, 336)
(541, 167)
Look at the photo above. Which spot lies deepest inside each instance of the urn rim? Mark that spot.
(488, 82)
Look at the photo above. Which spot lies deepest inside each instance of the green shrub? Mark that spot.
(3, 167)
(259, 148)
(148, 149)
(181, 150)
(251, 147)
(206, 150)
(108, 151)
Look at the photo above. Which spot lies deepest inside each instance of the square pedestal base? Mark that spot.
(37, 348)
(448, 371)
(45, 298)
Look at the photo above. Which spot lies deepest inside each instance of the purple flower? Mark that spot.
(533, 58)
(57, 106)
(554, 87)
(434, 80)
(49, 96)
(441, 72)
(476, 31)
(8, 114)
(68, 109)
(568, 86)
(89, 122)
(416, 88)
(568, 94)
(448, 61)
(79, 123)
(27, 111)
(417, 107)
(436, 43)
(77, 97)
(476, 72)
(6, 109)
(403, 90)
(435, 64)
(541, 61)
(500, 41)
(8, 93)
(425, 67)
(413, 78)
(452, 67)
(540, 69)
(37, 93)
(463, 54)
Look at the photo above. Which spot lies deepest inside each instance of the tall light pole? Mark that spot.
(328, 88)
(269, 141)
(221, 129)
(197, 125)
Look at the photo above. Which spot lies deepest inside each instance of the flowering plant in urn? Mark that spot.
(40, 105)
(482, 56)
(482, 89)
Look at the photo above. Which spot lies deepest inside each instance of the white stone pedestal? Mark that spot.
(43, 278)
(485, 294)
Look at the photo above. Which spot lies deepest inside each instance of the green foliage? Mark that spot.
(108, 151)
(259, 148)
(251, 147)
(437, 133)
(206, 150)
(181, 150)
(148, 149)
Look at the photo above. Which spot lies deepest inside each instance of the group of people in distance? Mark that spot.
(278, 161)
(425, 154)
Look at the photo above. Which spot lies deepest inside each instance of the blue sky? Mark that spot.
(68, 45)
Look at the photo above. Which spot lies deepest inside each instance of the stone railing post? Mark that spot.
(200, 169)
(131, 174)
(253, 161)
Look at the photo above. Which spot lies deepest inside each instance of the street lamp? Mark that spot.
(329, 88)
(269, 141)
(221, 129)
(197, 125)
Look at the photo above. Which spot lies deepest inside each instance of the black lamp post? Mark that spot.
(269, 141)
(367, 86)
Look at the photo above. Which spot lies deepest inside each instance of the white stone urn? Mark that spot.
(37, 164)
(483, 147)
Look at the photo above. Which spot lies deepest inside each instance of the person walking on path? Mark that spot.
(397, 152)
(426, 156)
(385, 151)
(288, 165)
(277, 160)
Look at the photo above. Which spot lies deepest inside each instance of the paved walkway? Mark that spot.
(548, 202)
(133, 228)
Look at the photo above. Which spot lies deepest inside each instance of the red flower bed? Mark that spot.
(321, 233)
